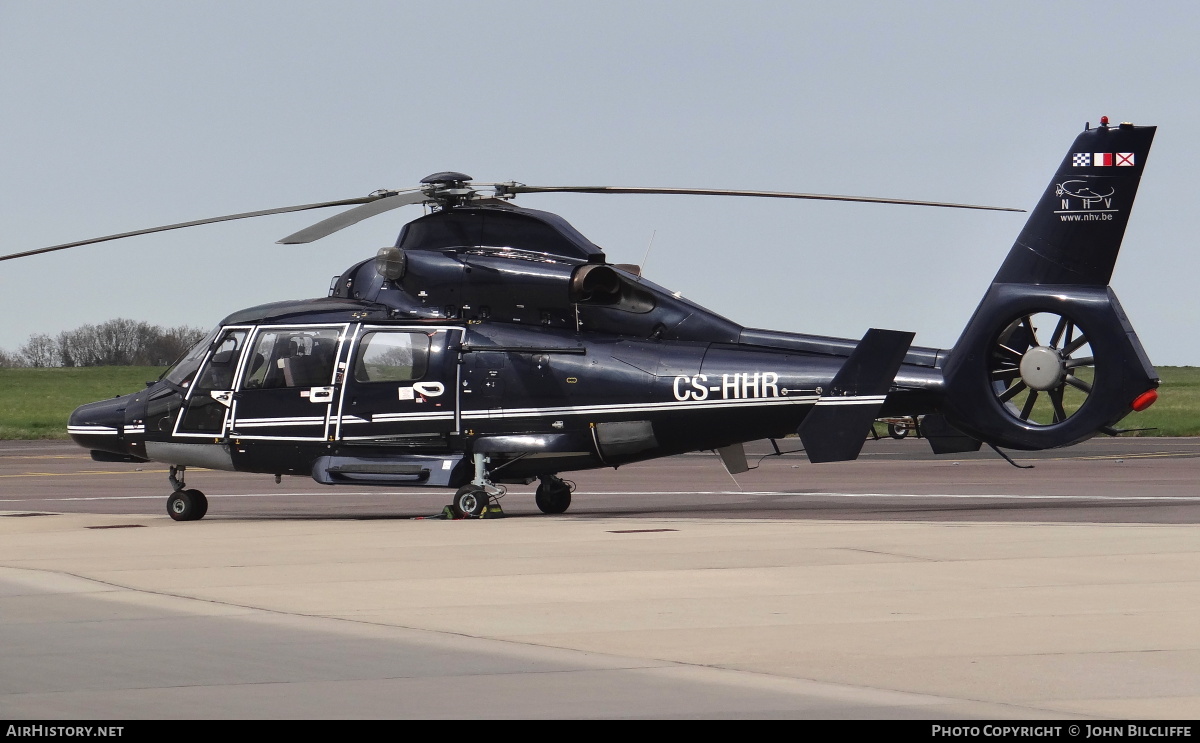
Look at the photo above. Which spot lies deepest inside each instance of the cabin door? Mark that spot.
(205, 412)
(287, 388)
(401, 385)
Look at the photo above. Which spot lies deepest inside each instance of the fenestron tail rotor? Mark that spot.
(1042, 368)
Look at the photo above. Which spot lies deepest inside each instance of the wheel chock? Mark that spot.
(489, 512)
(492, 511)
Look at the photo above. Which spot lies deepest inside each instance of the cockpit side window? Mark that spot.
(391, 356)
(180, 374)
(218, 372)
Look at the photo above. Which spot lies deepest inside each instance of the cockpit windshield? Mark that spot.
(181, 373)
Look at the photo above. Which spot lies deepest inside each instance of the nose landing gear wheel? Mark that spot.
(470, 500)
(187, 505)
(553, 496)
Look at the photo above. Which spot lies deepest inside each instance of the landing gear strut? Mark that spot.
(183, 504)
(554, 494)
(473, 499)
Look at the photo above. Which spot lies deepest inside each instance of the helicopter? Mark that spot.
(494, 344)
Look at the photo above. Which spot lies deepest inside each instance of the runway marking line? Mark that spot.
(949, 496)
(83, 472)
(1144, 455)
(101, 472)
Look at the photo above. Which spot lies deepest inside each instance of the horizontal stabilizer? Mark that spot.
(837, 427)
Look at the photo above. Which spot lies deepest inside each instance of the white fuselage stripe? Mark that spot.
(92, 430)
(299, 421)
(500, 413)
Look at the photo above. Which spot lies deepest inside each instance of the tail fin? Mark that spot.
(1075, 231)
(1049, 357)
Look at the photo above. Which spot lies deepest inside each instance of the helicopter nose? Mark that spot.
(100, 426)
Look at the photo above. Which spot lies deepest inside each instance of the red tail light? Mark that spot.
(1144, 400)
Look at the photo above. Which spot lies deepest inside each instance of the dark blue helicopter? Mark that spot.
(494, 344)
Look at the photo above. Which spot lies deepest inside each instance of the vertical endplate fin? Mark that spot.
(734, 458)
(944, 438)
(836, 428)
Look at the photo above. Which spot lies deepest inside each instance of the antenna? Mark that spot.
(646, 257)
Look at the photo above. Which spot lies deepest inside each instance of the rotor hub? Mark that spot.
(448, 188)
(448, 178)
(1043, 368)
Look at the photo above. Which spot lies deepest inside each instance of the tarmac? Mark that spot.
(897, 587)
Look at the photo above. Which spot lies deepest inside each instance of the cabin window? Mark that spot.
(389, 356)
(292, 357)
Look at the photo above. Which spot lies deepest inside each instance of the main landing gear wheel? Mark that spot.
(187, 505)
(553, 496)
(1044, 382)
(470, 500)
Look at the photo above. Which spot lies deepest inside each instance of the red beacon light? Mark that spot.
(1103, 121)
(1144, 400)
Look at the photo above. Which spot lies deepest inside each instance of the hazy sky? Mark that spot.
(119, 115)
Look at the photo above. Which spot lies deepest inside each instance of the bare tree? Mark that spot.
(171, 343)
(119, 342)
(67, 348)
(40, 351)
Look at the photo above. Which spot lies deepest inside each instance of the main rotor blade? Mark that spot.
(181, 225)
(327, 227)
(519, 188)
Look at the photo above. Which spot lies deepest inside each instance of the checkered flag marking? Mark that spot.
(1081, 159)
